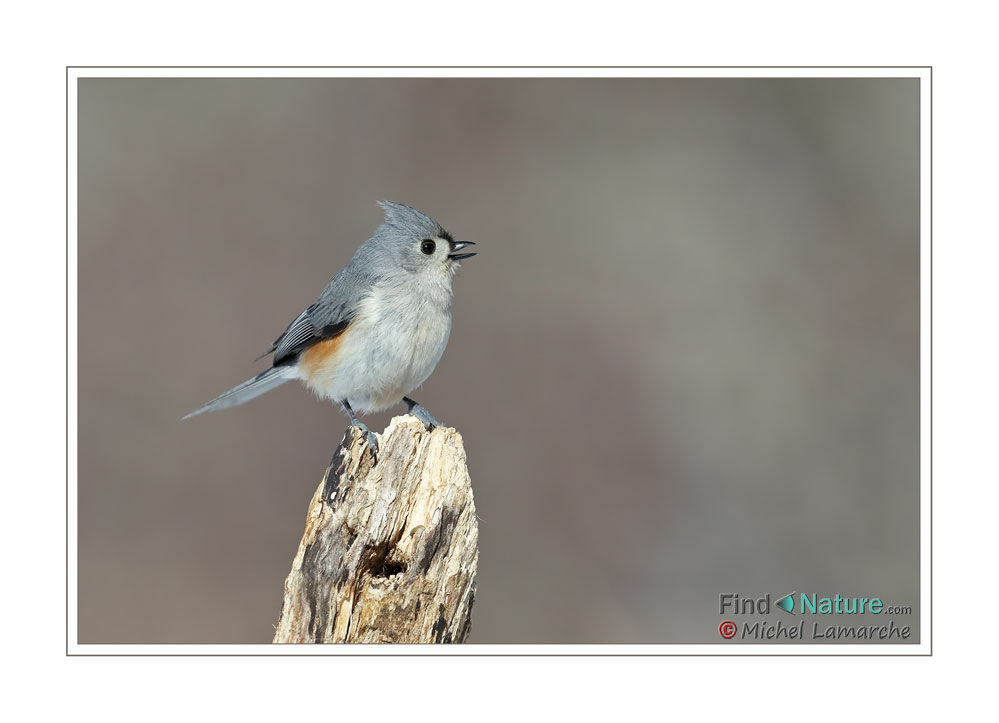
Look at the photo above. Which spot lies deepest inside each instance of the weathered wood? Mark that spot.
(389, 553)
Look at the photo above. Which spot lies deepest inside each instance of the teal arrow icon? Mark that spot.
(786, 603)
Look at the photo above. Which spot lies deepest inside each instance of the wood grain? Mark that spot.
(389, 553)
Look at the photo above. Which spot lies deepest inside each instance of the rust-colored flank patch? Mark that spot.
(320, 355)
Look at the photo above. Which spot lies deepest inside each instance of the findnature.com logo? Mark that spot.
(792, 603)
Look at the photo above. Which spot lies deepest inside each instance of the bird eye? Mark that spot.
(427, 246)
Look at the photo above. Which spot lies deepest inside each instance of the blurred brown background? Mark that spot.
(685, 361)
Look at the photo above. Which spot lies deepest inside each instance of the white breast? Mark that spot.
(391, 348)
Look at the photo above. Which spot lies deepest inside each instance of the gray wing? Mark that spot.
(326, 317)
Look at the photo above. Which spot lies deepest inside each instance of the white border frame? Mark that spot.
(923, 74)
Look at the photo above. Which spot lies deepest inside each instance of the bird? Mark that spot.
(377, 330)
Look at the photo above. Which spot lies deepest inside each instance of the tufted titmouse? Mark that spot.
(377, 330)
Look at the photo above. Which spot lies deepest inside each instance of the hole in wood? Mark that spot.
(378, 563)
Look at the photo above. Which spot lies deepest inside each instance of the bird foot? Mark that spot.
(369, 437)
(421, 413)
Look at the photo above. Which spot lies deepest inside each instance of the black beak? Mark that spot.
(458, 246)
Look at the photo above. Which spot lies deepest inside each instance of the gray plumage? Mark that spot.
(263, 382)
(376, 261)
(388, 311)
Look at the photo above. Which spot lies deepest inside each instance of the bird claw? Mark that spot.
(369, 437)
(421, 413)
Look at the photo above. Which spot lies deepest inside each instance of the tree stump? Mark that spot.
(389, 553)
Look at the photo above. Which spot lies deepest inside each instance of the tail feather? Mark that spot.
(263, 382)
